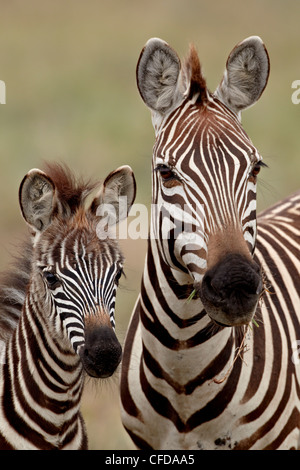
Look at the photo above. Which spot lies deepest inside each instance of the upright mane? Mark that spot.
(72, 191)
(192, 70)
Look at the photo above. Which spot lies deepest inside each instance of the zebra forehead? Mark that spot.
(73, 240)
(192, 114)
(195, 127)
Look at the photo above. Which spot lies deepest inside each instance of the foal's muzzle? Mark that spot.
(101, 354)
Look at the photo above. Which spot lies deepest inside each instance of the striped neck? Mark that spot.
(175, 306)
(181, 334)
(41, 386)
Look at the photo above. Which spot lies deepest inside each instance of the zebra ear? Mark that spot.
(36, 196)
(245, 76)
(117, 195)
(159, 77)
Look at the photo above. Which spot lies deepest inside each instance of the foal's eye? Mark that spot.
(52, 280)
(118, 275)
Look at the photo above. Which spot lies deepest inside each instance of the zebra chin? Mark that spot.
(226, 318)
(230, 291)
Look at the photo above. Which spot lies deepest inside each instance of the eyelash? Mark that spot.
(165, 172)
(118, 275)
(256, 168)
(168, 176)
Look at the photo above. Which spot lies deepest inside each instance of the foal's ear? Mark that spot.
(117, 194)
(159, 77)
(246, 75)
(36, 198)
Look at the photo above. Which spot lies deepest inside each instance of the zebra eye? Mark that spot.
(168, 176)
(118, 275)
(165, 172)
(52, 279)
(256, 168)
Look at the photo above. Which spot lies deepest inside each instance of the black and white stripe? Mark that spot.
(57, 311)
(197, 371)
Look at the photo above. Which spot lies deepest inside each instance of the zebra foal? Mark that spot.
(57, 309)
(210, 271)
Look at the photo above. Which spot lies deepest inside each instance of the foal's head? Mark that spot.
(74, 274)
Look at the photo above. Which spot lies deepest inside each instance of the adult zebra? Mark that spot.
(57, 308)
(183, 384)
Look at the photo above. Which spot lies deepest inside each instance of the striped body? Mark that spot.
(169, 395)
(57, 314)
(197, 373)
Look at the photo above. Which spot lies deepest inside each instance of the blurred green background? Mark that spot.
(69, 69)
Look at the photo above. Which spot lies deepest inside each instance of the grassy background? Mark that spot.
(69, 69)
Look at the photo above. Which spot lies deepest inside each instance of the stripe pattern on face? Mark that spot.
(211, 188)
(85, 281)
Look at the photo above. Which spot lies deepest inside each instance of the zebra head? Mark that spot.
(205, 170)
(74, 273)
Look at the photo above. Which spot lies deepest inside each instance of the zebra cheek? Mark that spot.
(40, 287)
(190, 249)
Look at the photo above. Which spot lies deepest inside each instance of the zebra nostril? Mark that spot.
(210, 290)
(86, 352)
(213, 287)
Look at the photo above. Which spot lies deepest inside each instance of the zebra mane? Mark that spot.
(13, 287)
(193, 73)
(72, 192)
